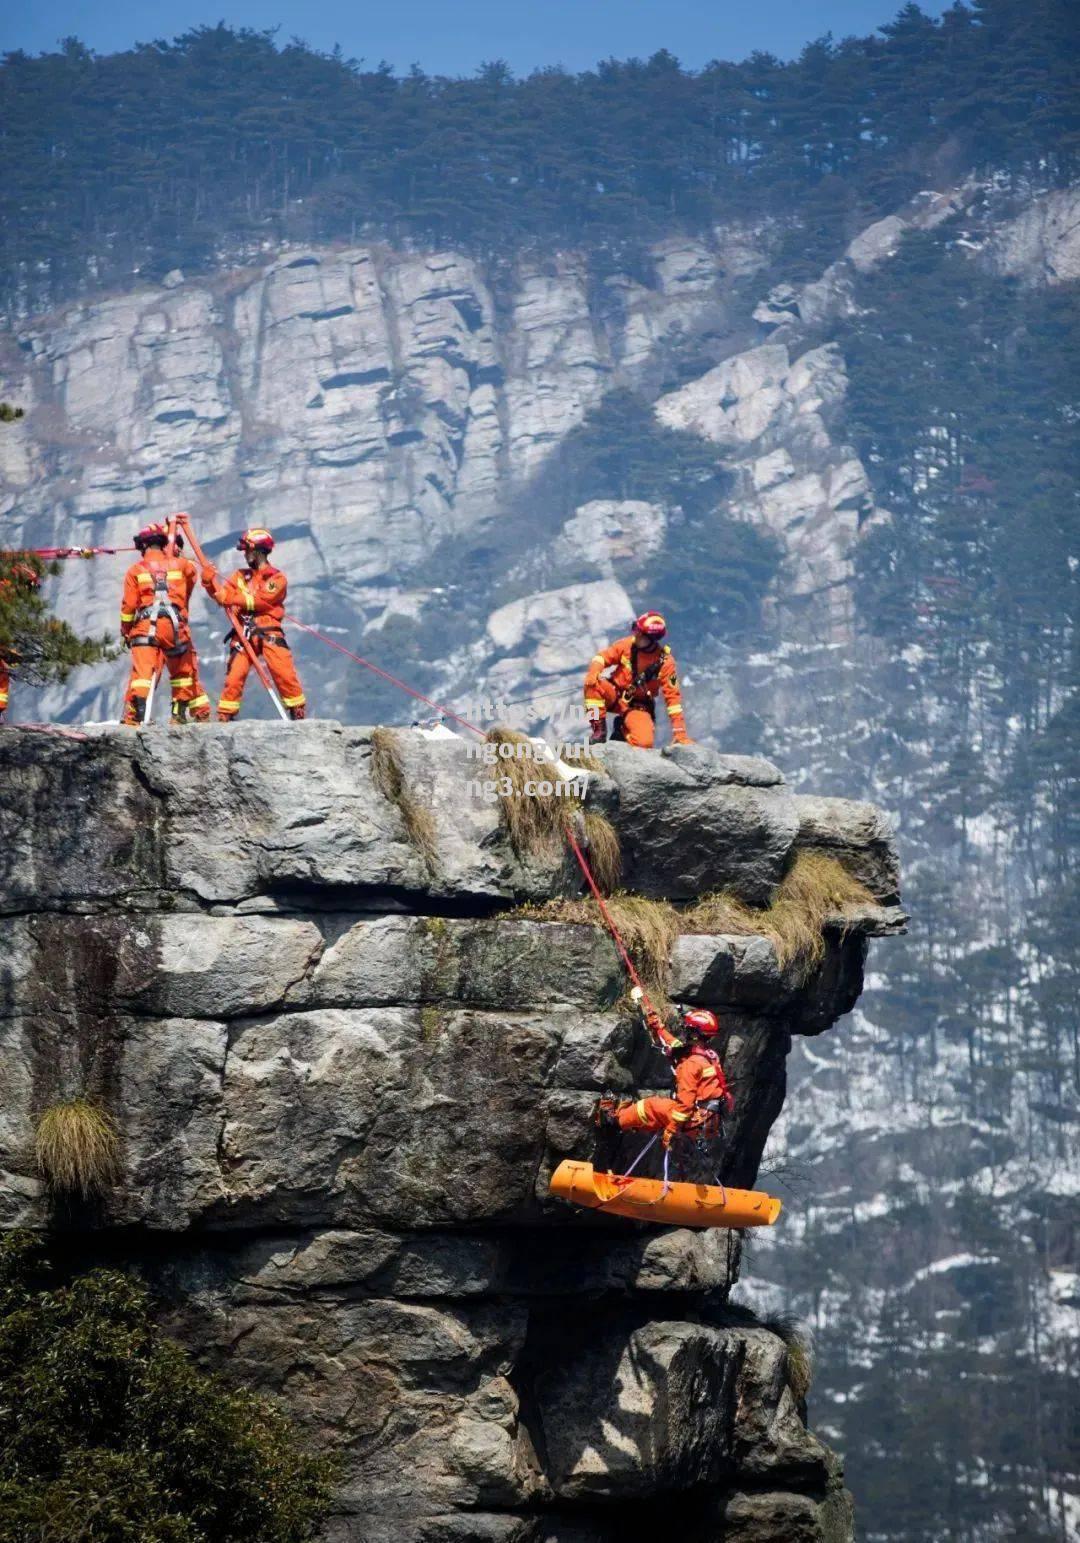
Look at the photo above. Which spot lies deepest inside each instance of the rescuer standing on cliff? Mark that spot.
(154, 624)
(257, 594)
(701, 1090)
(641, 666)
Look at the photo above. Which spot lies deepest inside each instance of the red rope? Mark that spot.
(53, 552)
(609, 920)
(375, 669)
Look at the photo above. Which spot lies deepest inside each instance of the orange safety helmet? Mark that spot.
(256, 536)
(699, 1020)
(651, 624)
(156, 532)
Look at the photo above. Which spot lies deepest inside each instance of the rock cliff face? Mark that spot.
(343, 1069)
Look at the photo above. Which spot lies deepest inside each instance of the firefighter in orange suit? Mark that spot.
(154, 624)
(701, 1090)
(257, 593)
(641, 667)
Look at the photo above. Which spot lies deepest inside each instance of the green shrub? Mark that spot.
(110, 1434)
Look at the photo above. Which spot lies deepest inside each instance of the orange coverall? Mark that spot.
(699, 1078)
(634, 699)
(258, 595)
(154, 577)
(5, 686)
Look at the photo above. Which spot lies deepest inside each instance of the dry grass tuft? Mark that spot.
(389, 778)
(603, 851)
(535, 823)
(815, 887)
(76, 1148)
(799, 1369)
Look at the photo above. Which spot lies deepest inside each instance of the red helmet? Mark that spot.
(699, 1020)
(652, 624)
(256, 537)
(152, 534)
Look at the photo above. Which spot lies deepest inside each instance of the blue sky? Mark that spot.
(453, 36)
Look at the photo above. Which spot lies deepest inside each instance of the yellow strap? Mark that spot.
(249, 598)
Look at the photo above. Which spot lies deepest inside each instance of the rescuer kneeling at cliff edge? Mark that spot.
(701, 1090)
(641, 666)
(257, 594)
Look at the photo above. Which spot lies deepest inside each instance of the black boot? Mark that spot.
(605, 1112)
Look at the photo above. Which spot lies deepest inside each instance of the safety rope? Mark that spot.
(52, 553)
(394, 681)
(572, 840)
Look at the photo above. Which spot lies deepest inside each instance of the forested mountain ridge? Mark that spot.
(188, 153)
(834, 433)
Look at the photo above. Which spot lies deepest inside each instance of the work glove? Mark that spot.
(636, 993)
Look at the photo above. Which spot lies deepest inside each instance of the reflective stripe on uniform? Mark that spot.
(597, 659)
(145, 578)
(594, 701)
(182, 680)
(174, 573)
(641, 1111)
(674, 708)
(679, 1114)
(228, 707)
(141, 685)
(200, 701)
(710, 1071)
(294, 701)
(127, 615)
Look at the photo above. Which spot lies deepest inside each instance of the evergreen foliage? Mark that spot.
(37, 647)
(109, 1434)
(177, 153)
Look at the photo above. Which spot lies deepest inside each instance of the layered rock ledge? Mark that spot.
(344, 1067)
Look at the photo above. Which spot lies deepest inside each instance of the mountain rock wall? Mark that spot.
(343, 1070)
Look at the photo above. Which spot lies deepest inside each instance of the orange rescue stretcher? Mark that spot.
(644, 1200)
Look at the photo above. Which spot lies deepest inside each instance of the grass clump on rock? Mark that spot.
(77, 1149)
(109, 1433)
(815, 888)
(537, 822)
(389, 778)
